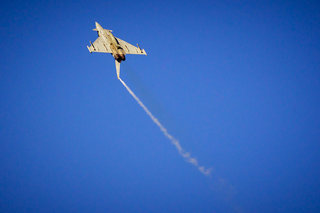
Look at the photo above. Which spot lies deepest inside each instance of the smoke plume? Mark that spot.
(175, 142)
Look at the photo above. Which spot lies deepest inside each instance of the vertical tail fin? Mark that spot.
(118, 68)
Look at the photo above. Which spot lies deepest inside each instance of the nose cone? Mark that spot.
(98, 25)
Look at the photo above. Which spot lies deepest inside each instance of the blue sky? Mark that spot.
(237, 83)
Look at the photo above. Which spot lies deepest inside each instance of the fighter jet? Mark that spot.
(108, 43)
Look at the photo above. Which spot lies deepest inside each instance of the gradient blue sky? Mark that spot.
(236, 82)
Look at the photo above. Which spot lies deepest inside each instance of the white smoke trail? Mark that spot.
(175, 142)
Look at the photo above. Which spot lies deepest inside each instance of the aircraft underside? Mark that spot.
(108, 43)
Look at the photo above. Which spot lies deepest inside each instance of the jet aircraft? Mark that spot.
(108, 43)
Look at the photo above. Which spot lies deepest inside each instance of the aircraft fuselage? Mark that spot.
(117, 51)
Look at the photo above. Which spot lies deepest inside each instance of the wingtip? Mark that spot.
(89, 49)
